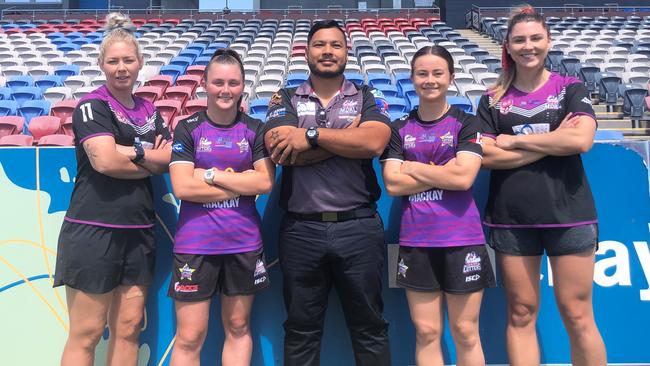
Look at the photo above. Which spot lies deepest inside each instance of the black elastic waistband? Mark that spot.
(336, 216)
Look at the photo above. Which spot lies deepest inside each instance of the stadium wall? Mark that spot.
(35, 188)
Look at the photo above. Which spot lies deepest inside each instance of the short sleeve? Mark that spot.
(92, 118)
(281, 111)
(469, 136)
(487, 124)
(375, 107)
(183, 146)
(394, 150)
(259, 150)
(578, 100)
(161, 126)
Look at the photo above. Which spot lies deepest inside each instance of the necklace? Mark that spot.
(444, 111)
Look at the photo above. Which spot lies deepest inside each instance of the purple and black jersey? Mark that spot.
(224, 227)
(553, 191)
(437, 217)
(98, 199)
(338, 183)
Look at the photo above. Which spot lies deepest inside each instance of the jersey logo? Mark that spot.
(447, 139)
(349, 108)
(552, 102)
(409, 142)
(277, 113)
(586, 100)
(205, 145)
(428, 138)
(306, 109)
(243, 145)
(276, 99)
(505, 106)
(186, 272)
(259, 268)
(478, 138)
(402, 268)
(472, 263)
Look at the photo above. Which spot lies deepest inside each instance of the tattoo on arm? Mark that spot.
(275, 135)
(91, 151)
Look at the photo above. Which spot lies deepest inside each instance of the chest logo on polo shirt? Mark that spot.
(306, 109)
(349, 107)
(205, 145)
(447, 139)
(552, 102)
(243, 145)
(409, 142)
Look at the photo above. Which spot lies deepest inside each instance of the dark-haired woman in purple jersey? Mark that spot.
(106, 246)
(540, 201)
(431, 161)
(219, 165)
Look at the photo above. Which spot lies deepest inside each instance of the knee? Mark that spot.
(465, 333)
(190, 340)
(427, 333)
(128, 326)
(237, 326)
(577, 317)
(88, 337)
(522, 314)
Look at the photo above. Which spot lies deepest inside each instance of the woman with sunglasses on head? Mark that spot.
(431, 161)
(106, 246)
(219, 164)
(540, 200)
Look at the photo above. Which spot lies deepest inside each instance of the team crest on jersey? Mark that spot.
(205, 145)
(186, 272)
(472, 263)
(552, 102)
(505, 105)
(259, 268)
(243, 145)
(276, 99)
(306, 109)
(402, 268)
(225, 142)
(447, 139)
(409, 142)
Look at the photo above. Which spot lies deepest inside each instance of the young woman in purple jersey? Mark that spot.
(431, 161)
(540, 201)
(106, 246)
(219, 165)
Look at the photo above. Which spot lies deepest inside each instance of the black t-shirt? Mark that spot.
(98, 199)
(338, 183)
(553, 191)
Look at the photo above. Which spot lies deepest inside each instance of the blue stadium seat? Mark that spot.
(8, 107)
(48, 81)
(412, 99)
(190, 53)
(75, 35)
(5, 93)
(172, 70)
(634, 101)
(25, 93)
(184, 62)
(196, 47)
(396, 105)
(396, 115)
(355, 78)
(19, 81)
(570, 66)
(66, 70)
(406, 88)
(202, 60)
(390, 91)
(33, 108)
(260, 116)
(294, 80)
(55, 35)
(377, 79)
(67, 47)
(608, 88)
(60, 41)
(80, 42)
(554, 60)
(587, 74)
(259, 105)
(461, 103)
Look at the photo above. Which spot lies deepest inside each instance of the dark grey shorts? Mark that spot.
(555, 241)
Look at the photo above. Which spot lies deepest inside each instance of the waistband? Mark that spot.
(336, 216)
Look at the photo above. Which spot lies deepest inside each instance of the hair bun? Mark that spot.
(117, 20)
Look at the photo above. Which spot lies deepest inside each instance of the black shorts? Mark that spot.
(555, 241)
(97, 259)
(458, 270)
(197, 277)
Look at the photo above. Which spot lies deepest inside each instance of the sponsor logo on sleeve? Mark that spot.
(586, 100)
(277, 113)
(178, 147)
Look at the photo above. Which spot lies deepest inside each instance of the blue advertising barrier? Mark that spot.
(35, 188)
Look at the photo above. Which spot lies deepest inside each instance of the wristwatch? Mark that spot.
(139, 151)
(312, 136)
(208, 176)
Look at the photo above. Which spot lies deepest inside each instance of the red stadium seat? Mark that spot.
(195, 105)
(44, 125)
(161, 81)
(66, 127)
(16, 140)
(168, 109)
(191, 81)
(56, 140)
(11, 125)
(150, 93)
(195, 70)
(63, 109)
(175, 121)
(180, 93)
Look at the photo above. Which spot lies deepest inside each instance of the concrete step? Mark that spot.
(639, 132)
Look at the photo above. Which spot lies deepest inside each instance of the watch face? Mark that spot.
(311, 133)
